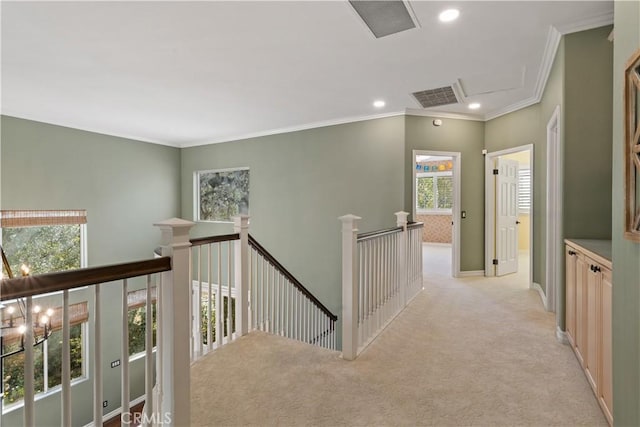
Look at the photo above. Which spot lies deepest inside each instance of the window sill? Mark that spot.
(53, 390)
(435, 212)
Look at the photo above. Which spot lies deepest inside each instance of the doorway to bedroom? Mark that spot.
(436, 203)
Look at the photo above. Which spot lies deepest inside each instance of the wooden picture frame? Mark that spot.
(632, 147)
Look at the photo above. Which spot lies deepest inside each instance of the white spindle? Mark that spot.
(97, 358)
(124, 354)
(241, 226)
(66, 361)
(29, 416)
(209, 297)
(229, 300)
(198, 332)
(148, 347)
(219, 302)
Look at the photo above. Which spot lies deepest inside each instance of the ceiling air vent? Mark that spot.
(384, 17)
(436, 97)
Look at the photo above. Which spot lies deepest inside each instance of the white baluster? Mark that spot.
(219, 302)
(148, 347)
(241, 226)
(209, 297)
(66, 361)
(124, 351)
(97, 358)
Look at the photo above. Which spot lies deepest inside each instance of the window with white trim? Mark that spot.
(45, 241)
(137, 318)
(524, 190)
(221, 194)
(434, 192)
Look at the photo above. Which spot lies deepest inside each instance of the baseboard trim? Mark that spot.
(536, 287)
(471, 273)
(117, 411)
(562, 336)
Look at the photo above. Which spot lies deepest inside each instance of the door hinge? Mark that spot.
(495, 262)
(495, 171)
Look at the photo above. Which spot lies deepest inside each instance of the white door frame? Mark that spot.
(455, 211)
(554, 250)
(489, 209)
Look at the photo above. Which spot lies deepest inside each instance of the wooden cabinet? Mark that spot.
(588, 318)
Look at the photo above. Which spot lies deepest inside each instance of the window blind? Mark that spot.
(37, 218)
(524, 190)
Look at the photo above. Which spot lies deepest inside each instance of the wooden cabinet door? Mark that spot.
(570, 285)
(605, 386)
(591, 357)
(581, 307)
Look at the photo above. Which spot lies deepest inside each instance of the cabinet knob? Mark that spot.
(571, 253)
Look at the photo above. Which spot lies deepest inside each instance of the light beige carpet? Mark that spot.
(471, 351)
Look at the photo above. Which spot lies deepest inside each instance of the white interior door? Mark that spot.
(506, 216)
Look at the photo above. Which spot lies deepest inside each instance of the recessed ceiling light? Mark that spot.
(379, 103)
(474, 106)
(449, 15)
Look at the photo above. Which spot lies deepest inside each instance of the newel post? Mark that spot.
(175, 326)
(241, 226)
(349, 286)
(401, 221)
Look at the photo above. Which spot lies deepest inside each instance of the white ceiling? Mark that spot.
(183, 74)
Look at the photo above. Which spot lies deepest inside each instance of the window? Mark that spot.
(47, 376)
(221, 195)
(524, 190)
(434, 192)
(45, 241)
(137, 317)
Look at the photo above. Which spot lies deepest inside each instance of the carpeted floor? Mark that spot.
(471, 351)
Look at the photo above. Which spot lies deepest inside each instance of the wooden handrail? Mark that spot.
(415, 225)
(372, 234)
(21, 287)
(214, 239)
(262, 251)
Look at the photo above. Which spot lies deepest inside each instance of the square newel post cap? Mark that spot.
(175, 231)
(401, 218)
(349, 222)
(240, 222)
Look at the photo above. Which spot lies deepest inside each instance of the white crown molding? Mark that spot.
(511, 108)
(442, 115)
(293, 129)
(587, 23)
(554, 37)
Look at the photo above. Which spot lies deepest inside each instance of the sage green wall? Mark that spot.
(580, 84)
(515, 129)
(529, 126)
(587, 134)
(301, 182)
(626, 255)
(466, 137)
(125, 186)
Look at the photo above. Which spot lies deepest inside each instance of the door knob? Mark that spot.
(517, 222)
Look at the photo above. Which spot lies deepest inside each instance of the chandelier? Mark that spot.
(13, 320)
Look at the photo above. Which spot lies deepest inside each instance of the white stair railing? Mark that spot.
(238, 286)
(381, 273)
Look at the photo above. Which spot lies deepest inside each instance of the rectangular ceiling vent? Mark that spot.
(384, 17)
(436, 97)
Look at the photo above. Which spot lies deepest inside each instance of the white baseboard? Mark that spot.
(562, 336)
(117, 411)
(471, 273)
(536, 287)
